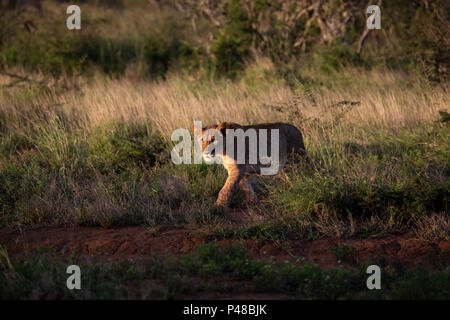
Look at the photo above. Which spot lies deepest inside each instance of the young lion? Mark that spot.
(269, 149)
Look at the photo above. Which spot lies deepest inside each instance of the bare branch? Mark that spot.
(364, 36)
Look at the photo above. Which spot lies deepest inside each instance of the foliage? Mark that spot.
(41, 275)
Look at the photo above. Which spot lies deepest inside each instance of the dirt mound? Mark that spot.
(139, 243)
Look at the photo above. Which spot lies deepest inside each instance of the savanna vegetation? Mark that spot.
(224, 272)
(86, 118)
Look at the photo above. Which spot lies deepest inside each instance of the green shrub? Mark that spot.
(232, 46)
(119, 146)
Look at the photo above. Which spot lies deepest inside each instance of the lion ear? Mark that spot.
(201, 129)
(223, 126)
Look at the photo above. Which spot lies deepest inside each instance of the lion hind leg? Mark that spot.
(246, 185)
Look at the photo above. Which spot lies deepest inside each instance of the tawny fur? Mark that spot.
(244, 176)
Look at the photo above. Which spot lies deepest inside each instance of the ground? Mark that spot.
(138, 243)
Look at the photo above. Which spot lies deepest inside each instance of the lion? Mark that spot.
(242, 171)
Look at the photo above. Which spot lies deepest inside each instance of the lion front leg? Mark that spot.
(227, 191)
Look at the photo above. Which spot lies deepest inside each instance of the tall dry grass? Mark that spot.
(372, 98)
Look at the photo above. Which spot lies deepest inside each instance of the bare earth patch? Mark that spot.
(138, 243)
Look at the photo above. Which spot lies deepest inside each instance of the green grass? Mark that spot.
(41, 275)
(398, 177)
